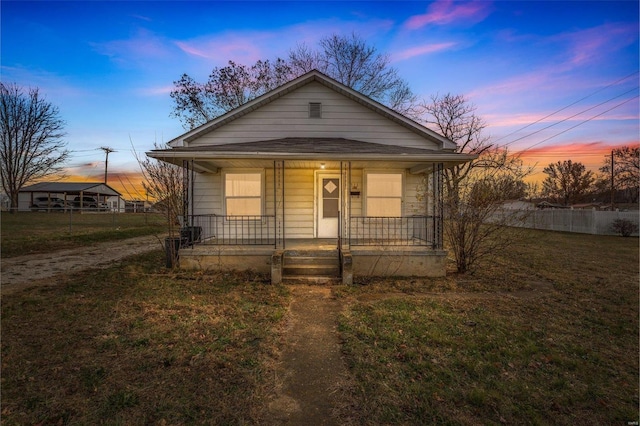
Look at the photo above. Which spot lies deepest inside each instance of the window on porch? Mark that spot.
(243, 194)
(384, 194)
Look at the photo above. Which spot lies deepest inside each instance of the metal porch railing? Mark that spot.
(394, 231)
(230, 230)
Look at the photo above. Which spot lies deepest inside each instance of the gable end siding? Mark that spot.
(288, 116)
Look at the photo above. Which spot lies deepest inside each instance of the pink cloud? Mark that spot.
(587, 46)
(156, 91)
(448, 11)
(241, 49)
(421, 50)
(143, 45)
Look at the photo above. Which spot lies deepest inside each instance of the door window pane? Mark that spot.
(329, 208)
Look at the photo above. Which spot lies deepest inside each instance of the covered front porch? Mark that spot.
(372, 218)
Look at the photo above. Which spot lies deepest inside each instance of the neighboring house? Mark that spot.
(518, 205)
(591, 206)
(72, 195)
(314, 178)
(547, 205)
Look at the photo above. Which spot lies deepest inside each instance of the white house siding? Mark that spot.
(299, 194)
(414, 203)
(207, 194)
(356, 203)
(298, 201)
(288, 116)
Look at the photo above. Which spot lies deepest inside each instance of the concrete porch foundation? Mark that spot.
(360, 261)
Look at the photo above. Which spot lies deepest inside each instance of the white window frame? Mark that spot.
(365, 179)
(237, 172)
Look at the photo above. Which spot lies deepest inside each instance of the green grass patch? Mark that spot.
(29, 233)
(545, 333)
(136, 344)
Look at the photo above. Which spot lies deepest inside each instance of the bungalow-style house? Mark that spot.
(314, 179)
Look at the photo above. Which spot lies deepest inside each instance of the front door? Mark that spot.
(328, 204)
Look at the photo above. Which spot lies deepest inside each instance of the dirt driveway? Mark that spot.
(21, 272)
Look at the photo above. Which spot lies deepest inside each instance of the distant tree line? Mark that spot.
(569, 182)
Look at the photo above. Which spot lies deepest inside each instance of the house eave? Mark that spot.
(176, 157)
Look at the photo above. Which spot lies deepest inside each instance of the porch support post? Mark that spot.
(278, 204)
(437, 205)
(345, 208)
(185, 193)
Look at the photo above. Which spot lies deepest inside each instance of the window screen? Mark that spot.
(243, 194)
(384, 195)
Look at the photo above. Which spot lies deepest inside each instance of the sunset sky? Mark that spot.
(553, 80)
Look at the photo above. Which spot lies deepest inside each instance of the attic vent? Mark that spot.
(315, 110)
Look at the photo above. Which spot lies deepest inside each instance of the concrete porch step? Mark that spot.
(317, 264)
(310, 280)
(311, 270)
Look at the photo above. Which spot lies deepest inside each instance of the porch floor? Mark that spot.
(311, 244)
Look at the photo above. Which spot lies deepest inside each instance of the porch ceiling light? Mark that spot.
(322, 166)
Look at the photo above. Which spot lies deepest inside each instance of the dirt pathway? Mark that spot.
(24, 271)
(311, 370)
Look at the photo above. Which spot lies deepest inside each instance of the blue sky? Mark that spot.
(109, 66)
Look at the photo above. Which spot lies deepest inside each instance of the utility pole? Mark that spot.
(106, 150)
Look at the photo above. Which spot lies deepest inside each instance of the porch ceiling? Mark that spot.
(213, 165)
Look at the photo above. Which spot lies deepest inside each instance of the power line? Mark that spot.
(134, 187)
(125, 188)
(570, 105)
(579, 124)
(569, 118)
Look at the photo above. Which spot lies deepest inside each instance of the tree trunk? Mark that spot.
(14, 203)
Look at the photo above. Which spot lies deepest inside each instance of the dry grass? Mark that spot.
(28, 233)
(544, 333)
(136, 345)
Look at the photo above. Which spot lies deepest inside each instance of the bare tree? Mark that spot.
(31, 145)
(477, 224)
(226, 88)
(454, 117)
(350, 60)
(354, 63)
(626, 171)
(567, 181)
(163, 182)
(474, 192)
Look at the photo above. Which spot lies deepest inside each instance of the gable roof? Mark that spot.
(71, 187)
(314, 76)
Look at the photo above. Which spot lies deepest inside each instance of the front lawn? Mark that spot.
(545, 333)
(138, 345)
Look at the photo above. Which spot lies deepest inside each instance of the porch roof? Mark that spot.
(308, 148)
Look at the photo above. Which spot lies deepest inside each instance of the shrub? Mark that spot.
(624, 227)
